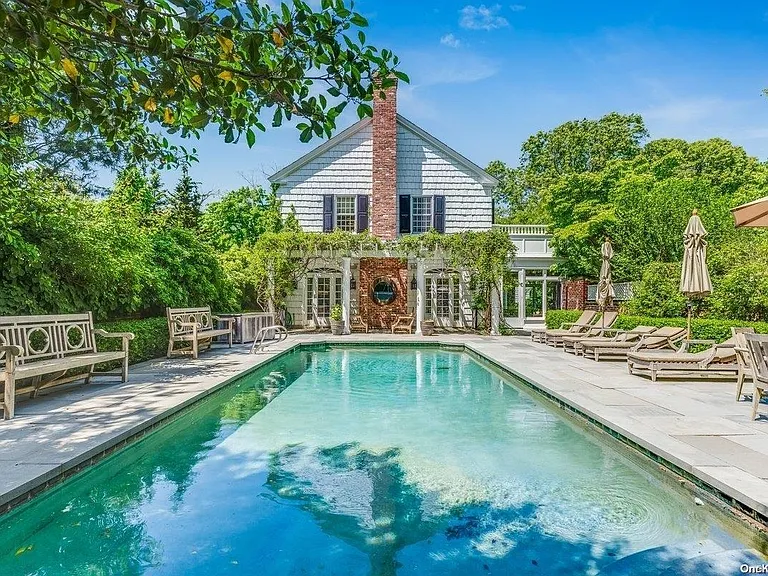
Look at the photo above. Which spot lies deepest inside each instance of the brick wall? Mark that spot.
(371, 269)
(384, 211)
(574, 294)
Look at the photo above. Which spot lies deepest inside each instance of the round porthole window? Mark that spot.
(383, 291)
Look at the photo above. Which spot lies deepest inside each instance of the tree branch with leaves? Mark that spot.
(131, 71)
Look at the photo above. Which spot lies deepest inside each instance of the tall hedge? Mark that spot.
(151, 339)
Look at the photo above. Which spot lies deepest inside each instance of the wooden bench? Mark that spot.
(195, 327)
(44, 351)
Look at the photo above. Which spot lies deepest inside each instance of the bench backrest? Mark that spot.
(179, 316)
(48, 337)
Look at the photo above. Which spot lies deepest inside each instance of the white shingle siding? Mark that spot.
(343, 169)
(422, 169)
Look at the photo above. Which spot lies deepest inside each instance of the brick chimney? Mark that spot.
(384, 191)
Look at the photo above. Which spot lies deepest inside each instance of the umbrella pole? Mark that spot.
(688, 332)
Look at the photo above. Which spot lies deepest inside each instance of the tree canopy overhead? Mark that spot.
(126, 70)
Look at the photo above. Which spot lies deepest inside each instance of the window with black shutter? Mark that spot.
(328, 213)
(439, 213)
(362, 212)
(405, 214)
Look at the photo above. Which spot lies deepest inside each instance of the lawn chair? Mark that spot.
(608, 336)
(757, 344)
(357, 324)
(716, 362)
(403, 324)
(666, 337)
(598, 329)
(742, 358)
(584, 322)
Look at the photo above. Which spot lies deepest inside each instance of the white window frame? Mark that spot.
(337, 203)
(429, 202)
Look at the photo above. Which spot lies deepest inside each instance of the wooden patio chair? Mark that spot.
(357, 324)
(601, 328)
(612, 335)
(403, 324)
(742, 358)
(757, 344)
(660, 339)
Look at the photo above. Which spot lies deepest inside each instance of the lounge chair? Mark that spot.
(584, 322)
(576, 345)
(718, 361)
(666, 337)
(600, 328)
(757, 345)
(555, 337)
(743, 359)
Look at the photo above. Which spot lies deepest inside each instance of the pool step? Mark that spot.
(705, 558)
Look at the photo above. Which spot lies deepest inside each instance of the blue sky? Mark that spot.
(485, 76)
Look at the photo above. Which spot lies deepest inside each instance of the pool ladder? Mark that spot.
(277, 334)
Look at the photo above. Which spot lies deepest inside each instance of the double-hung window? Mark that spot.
(421, 214)
(346, 213)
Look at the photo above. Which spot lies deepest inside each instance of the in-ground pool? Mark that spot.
(357, 461)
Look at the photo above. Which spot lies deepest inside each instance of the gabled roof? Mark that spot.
(482, 175)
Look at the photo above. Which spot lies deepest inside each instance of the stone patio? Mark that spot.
(697, 426)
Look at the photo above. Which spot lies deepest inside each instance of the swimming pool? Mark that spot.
(358, 461)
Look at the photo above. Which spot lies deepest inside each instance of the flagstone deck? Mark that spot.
(696, 426)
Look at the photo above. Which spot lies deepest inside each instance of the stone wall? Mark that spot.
(371, 269)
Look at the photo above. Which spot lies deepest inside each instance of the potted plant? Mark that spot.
(335, 320)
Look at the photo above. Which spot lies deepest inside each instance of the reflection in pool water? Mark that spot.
(356, 462)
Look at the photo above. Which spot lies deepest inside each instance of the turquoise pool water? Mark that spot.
(356, 461)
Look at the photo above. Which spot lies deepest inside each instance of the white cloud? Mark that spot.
(481, 17)
(517, 7)
(450, 40)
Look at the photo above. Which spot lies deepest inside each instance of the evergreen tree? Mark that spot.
(185, 203)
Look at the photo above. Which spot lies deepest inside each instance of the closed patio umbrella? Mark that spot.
(754, 214)
(605, 291)
(694, 280)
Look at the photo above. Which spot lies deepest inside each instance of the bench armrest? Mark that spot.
(105, 334)
(12, 350)
(565, 325)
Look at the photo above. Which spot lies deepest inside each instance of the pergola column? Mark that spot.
(544, 295)
(521, 312)
(346, 281)
(421, 293)
(496, 291)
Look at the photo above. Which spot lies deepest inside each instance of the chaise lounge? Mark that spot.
(663, 338)
(599, 329)
(716, 362)
(609, 336)
(581, 325)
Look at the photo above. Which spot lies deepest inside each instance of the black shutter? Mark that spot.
(405, 214)
(328, 213)
(438, 217)
(362, 212)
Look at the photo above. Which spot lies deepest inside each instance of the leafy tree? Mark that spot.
(515, 201)
(185, 204)
(241, 217)
(126, 71)
(658, 292)
(581, 146)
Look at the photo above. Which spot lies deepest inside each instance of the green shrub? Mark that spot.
(556, 318)
(151, 339)
(701, 328)
(658, 292)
